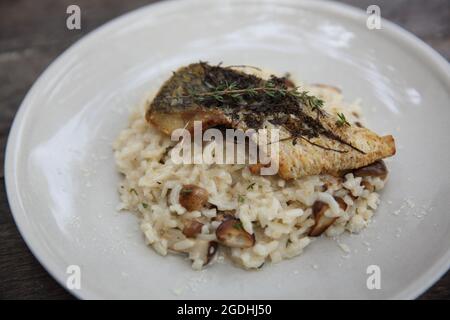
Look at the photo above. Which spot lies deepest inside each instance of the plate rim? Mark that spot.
(19, 213)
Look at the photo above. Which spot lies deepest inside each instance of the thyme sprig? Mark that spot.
(342, 121)
(225, 90)
(251, 100)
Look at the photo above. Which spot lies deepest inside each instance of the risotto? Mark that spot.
(198, 210)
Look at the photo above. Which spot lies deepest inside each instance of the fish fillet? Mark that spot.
(312, 142)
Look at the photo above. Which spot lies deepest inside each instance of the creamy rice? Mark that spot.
(279, 213)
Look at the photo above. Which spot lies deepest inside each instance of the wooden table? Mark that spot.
(33, 34)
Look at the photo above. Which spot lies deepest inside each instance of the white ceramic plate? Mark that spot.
(61, 177)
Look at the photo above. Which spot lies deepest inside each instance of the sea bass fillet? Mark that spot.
(311, 140)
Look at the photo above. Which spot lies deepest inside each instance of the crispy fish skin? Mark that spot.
(166, 114)
(309, 156)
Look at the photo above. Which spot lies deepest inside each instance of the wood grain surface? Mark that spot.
(34, 33)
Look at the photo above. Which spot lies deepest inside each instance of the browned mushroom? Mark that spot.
(193, 197)
(192, 228)
(376, 169)
(341, 203)
(368, 186)
(322, 221)
(231, 233)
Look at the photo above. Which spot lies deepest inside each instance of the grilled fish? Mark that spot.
(312, 141)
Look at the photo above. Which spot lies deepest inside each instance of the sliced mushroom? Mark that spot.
(231, 233)
(341, 203)
(193, 197)
(192, 228)
(368, 186)
(376, 169)
(322, 221)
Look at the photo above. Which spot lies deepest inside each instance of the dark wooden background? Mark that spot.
(33, 33)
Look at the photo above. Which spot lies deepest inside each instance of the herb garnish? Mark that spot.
(223, 91)
(341, 121)
(132, 190)
(241, 198)
(250, 186)
(144, 205)
(248, 99)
